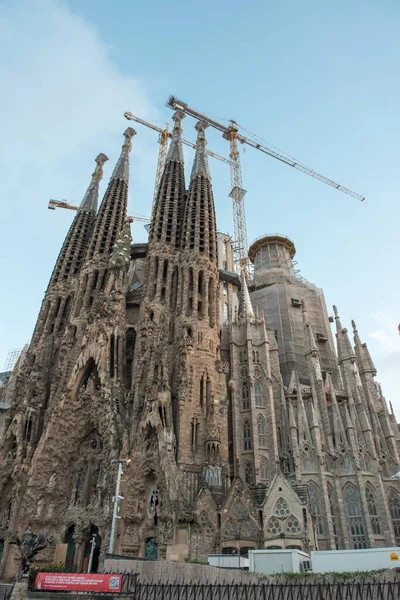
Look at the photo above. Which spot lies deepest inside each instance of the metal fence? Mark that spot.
(5, 591)
(269, 591)
(345, 590)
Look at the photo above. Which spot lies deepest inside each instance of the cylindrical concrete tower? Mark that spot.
(279, 292)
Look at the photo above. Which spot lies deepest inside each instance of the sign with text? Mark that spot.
(79, 582)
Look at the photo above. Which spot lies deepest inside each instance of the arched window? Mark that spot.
(246, 435)
(258, 394)
(264, 469)
(314, 494)
(245, 395)
(373, 513)
(394, 507)
(331, 498)
(356, 521)
(248, 473)
(262, 440)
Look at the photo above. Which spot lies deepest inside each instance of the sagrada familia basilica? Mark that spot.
(244, 424)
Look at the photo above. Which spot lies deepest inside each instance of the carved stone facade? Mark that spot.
(243, 427)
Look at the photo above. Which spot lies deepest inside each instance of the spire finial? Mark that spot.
(121, 170)
(354, 326)
(175, 152)
(246, 308)
(200, 165)
(90, 199)
(335, 312)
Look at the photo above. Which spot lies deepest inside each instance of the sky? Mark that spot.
(318, 80)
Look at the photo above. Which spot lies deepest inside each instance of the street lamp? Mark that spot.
(116, 499)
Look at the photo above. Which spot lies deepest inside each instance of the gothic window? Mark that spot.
(258, 393)
(248, 473)
(190, 292)
(309, 462)
(231, 529)
(254, 356)
(281, 508)
(249, 529)
(213, 476)
(245, 395)
(394, 507)
(240, 511)
(274, 526)
(346, 465)
(293, 527)
(264, 469)
(331, 498)
(246, 435)
(356, 521)
(314, 494)
(373, 513)
(262, 440)
(211, 316)
(257, 356)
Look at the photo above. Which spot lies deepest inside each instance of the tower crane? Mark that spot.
(53, 204)
(232, 135)
(162, 152)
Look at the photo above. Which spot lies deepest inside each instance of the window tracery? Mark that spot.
(314, 494)
(246, 435)
(356, 521)
(373, 513)
(394, 508)
(262, 440)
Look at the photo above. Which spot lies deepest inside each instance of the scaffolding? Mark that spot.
(11, 359)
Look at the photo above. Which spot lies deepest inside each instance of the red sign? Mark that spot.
(79, 582)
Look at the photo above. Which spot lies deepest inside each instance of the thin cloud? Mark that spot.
(62, 103)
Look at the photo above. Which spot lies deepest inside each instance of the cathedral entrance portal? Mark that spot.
(151, 550)
(92, 536)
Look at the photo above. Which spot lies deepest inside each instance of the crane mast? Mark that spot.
(237, 193)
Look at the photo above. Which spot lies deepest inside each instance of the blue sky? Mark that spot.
(316, 79)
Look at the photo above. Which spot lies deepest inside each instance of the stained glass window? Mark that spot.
(248, 473)
(262, 440)
(281, 508)
(356, 521)
(245, 395)
(274, 526)
(394, 507)
(264, 469)
(258, 394)
(246, 435)
(293, 526)
(249, 529)
(240, 511)
(231, 529)
(373, 513)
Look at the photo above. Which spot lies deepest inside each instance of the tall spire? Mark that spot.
(70, 258)
(364, 359)
(245, 307)
(166, 221)
(121, 170)
(175, 152)
(344, 347)
(199, 226)
(90, 199)
(112, 212)
(200, 165)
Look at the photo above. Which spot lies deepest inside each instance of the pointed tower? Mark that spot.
(58, 296)
(108, 224)
(112, 212)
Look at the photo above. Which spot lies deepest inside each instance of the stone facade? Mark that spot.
(243, 427)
